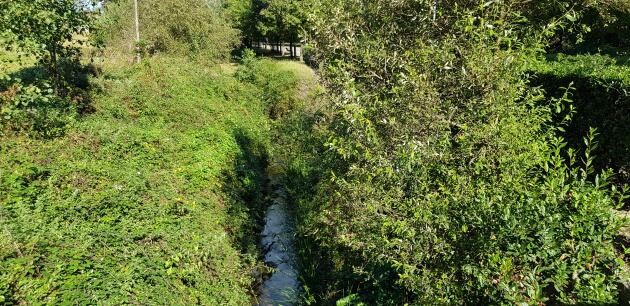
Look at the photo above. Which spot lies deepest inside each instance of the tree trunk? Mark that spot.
(291, 49)
(54, 71)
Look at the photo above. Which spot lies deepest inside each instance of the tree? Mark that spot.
(276, 20)
(48, 30)
(245, 15)
(285, 19)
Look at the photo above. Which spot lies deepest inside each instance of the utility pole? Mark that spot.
(135, 8)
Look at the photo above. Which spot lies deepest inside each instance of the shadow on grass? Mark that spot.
(245, 187)
(42, 106)
(598, 105)
(623, 60)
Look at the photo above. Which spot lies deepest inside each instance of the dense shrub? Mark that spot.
(31, 110)
(443, 180)
(600, 28)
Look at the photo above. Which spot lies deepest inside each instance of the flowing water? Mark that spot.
(283, 286)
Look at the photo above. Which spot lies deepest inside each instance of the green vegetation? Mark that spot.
(440, 177)
(135, 203)
(148, 192)
(193, 28)
(278, 87)
(609, 71)
(440, 155)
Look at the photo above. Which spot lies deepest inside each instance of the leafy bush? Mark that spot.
(602, 27)
(443, 180)
(31, 110)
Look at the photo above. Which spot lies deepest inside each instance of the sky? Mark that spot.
(92, 5)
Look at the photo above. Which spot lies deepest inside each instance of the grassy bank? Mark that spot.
(150, 199)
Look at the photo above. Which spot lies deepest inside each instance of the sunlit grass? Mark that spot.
(11, 62)
(602, 67)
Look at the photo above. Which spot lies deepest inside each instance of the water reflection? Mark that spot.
(283, 287)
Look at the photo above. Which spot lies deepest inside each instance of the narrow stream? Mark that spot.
(283, 286)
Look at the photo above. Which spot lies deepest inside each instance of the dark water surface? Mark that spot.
(283, 286)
